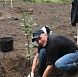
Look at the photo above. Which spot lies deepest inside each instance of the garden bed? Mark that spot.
(55, 15)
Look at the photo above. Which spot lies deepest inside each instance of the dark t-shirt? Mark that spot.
(57, 46)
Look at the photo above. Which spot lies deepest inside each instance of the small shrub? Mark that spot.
(28, 31)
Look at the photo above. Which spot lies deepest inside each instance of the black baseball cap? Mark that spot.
(37, 34)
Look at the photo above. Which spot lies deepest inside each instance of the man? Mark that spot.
(53, 50)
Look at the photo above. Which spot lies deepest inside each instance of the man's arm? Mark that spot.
(34, 65)
(47, 70)
(35, 62)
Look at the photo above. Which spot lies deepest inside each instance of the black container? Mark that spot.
(6, 44)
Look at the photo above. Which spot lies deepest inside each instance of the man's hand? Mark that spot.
(32, 74)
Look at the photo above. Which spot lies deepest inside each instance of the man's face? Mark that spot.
(42, 40)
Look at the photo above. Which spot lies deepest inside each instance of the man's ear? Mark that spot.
(45, 34)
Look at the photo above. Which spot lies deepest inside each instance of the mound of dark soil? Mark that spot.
(23, 9)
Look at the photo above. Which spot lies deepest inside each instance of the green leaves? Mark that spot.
(30, 46)
(26, 44)
(21, 24)
(30, 21)
(24, 15)
(27, 24)
(34, 23)
(29, 54)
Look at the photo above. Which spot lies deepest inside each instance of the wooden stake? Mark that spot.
(11, 4)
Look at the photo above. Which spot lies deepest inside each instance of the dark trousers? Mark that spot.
(42, 61)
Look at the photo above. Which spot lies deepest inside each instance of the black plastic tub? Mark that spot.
(6, 44)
